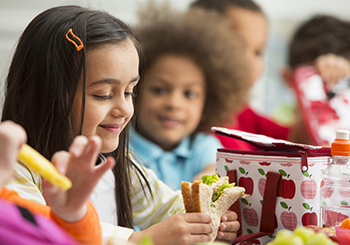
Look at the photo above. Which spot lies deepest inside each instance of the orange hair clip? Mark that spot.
(79, 47)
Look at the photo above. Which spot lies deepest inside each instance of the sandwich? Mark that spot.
(212, 195)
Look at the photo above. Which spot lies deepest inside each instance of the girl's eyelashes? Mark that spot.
(106, 97)
(127, 94)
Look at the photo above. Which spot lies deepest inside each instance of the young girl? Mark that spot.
(249, 21)
(67, 209)
(189, 60)
(75, 72)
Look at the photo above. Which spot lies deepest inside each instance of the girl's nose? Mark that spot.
(122, 108)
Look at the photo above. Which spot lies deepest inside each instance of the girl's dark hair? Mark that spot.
(319, 35)
(43, 78)
(222, 6)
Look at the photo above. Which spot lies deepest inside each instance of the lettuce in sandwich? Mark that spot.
(218, 185)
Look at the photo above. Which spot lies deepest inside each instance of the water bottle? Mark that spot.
(335, 185)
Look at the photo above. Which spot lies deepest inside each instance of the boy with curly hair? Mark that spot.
(191, 60)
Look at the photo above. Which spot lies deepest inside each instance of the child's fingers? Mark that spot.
(229, 216)
(12, 136)
(50, 189)
(200, 229)
(197, 218)
(60, 160)
(78, 146)
(232, 226)
(92, 150)
(87, 149)
(101, 169)
(226, 236)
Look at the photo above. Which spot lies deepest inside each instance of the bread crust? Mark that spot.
(187, 196)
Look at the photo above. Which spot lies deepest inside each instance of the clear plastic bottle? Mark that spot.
(335, 185)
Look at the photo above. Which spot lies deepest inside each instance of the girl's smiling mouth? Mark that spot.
(113, 128)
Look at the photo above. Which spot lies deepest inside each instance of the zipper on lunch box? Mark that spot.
(300, 152)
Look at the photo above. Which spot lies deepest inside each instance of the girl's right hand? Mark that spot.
(185, 229)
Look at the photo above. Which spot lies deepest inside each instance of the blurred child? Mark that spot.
(75, 72)
(68, 209)
(189, 60)
(324, 42)
(248, 20)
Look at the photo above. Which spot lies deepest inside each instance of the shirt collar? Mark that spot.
(150, 150)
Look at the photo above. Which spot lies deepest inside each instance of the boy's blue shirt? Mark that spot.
(180, 164)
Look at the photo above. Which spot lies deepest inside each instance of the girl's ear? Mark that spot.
(286, 74)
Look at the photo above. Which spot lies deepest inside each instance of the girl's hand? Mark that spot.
(79, 166)
(190, 228)
(12, 137)
(228, 228)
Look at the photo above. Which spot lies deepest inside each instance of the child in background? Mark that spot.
(322, 41)
(315, 39)
(75, 72)
(248, 20)
(68, 209)
(189, 60)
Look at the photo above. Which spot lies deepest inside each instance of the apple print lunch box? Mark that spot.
(300, 166)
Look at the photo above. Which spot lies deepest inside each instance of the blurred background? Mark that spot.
(270, 95)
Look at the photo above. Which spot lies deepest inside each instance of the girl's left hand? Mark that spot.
(79, 164)
(228, 228)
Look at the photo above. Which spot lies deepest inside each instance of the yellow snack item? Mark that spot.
(45, 168)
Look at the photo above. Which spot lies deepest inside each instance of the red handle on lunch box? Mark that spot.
(267, 222)
(236, 206)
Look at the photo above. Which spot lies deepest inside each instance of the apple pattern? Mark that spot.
(288, 186)
(309, 218)
(289, 219)
(246, 182)
(344, 192)
(286, 164)
(265, 163)
(326, 191)
(244, 162)
(249, 214)
(228, 160)
(308, 187)
(261, 182)
(261, 186)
